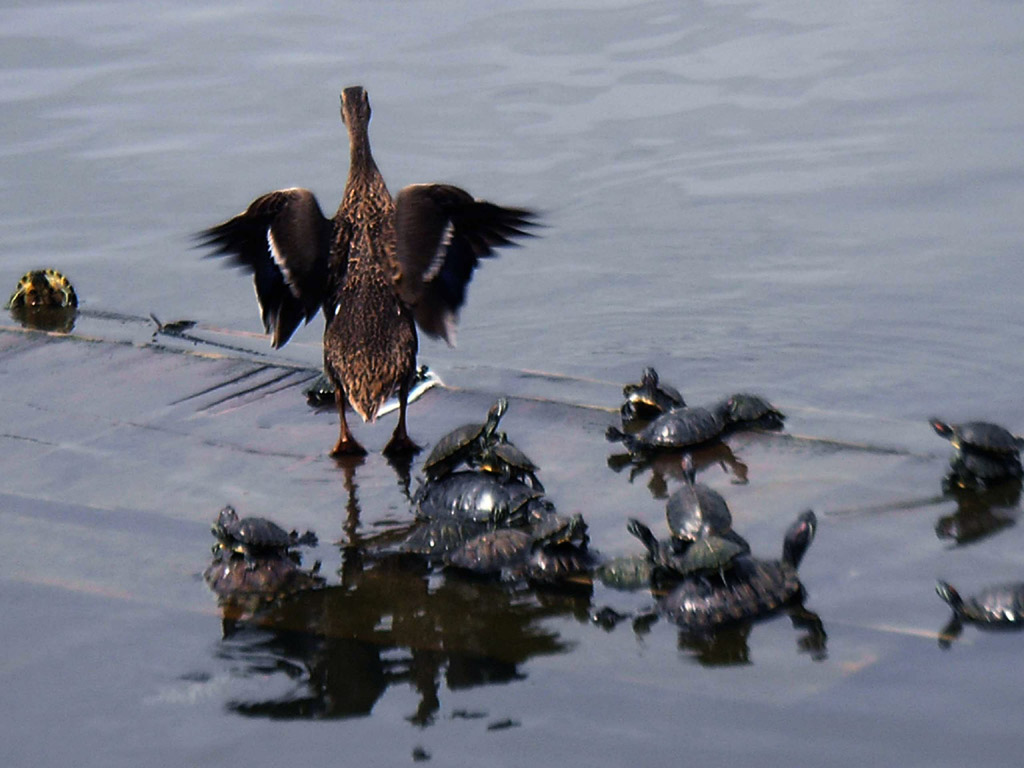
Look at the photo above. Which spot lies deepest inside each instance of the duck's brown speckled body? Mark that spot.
(377, 269)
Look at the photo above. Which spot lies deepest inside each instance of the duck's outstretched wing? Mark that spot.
(284, 239)
(441, 234)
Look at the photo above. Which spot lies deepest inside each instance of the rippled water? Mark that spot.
(818, 201)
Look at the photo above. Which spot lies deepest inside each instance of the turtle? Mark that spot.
(477, 497)
(697, 511)
(673, 430)
(503, 458)
(514, 554)
(750, 588)
(255, 537)
(266, 579)
(985, 453)
(996, 607)
(463, 443)
(744, 410)
(43, 288)
(649, 399)
(546, 524)
(435, 538)
(674, 560)
(626, 572)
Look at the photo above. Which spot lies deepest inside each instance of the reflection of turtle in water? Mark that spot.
(649, 399)
(44, 300)
(998, 607)
(980, 512)
(985, 453)
(255, 537)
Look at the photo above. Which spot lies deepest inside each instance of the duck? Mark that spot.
(378, 270)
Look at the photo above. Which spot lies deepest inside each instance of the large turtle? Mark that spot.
(985, 453)
(255, 537)
(515, 554)
(461, 444)
(649, 399)
(744, 410)
(676, 429)
(750, 588)
(997, 607)
(477, 497)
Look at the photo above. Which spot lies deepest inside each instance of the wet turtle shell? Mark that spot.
(436, 538)
(476, 497)
(675, 559)
(674, 430)
(268, 578)
(459, 445)
(750, 588)
(746, 410)
(972, 469)
(515, 554)
(1001, 605)
(547, 525)
(504, 459)
(979, 436)
(43, 288)
(627, 572)
(254, 536)
(696, 510)
(649, 399)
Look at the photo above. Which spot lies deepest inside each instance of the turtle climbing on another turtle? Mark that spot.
(985, 453)
(255, 537)
(996, 607)
(649, 399)
(463, 443)
(697, 511)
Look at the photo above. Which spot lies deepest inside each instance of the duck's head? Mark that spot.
(355, 107)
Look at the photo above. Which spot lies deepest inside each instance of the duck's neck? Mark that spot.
(361, 164)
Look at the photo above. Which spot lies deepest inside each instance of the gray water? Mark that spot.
(819, 201)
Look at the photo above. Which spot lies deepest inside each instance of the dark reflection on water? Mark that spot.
(57, 319)
(980, 513)
(667, 465)
(391, 625)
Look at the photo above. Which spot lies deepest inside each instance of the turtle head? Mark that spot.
(226, 518)
(950, 595)
(689, 470)
(942, 428)
(647, 538)
(494, 415)
(799, 538)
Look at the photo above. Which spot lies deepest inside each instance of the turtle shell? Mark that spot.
(506, 460)
(1000, 605)
(753, 588)
(475, 496)
(459, 445)
(678, 428)
(972, 468)
(676, 559)
(267, 577)
(979, 436)
(745, 409)
(43, 288)
(438, 537)
(552, 528)
(493, 551)
(695, 510)
(628, 572)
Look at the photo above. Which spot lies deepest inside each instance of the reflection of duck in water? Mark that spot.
(377, 269)
(980, 512)
(341, 648)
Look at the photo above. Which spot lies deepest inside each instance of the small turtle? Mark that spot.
(547, 525)
(749, 589)
(255, 537)
(697, 511)
(997, 607)
(477, 497)
(744, 410)
(985, 453)
(43, 288)
(673, 430)
(649, 399)
(462, 443)
(674, 560)
(502, 458)
(627, 572)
